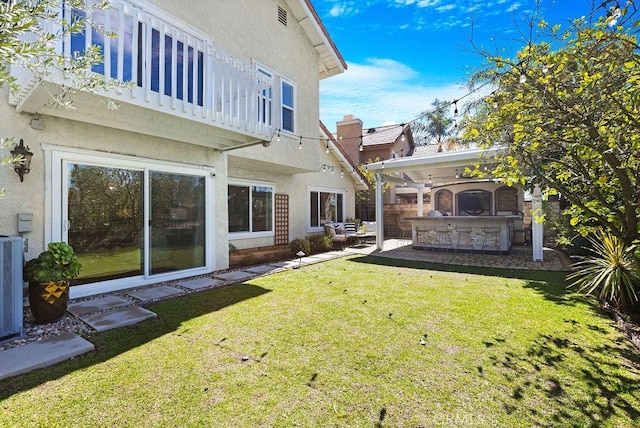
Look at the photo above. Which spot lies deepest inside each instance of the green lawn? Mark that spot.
(339, 344)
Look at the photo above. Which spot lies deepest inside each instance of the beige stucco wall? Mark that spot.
(296, 186)
(64, 134)
(247, 30)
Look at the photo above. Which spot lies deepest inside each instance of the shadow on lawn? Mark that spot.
(171, 314)
(548, 371)
(550, 284)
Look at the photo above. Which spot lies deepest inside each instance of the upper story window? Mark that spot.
(250, 208)
(288, 106)
(150, 58)
(265, 100)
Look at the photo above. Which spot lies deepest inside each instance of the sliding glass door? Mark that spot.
(177, 222)
(105, 220)
(130, 220)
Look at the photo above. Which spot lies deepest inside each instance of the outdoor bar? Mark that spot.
(493, 234)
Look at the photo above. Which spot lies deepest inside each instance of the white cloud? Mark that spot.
(446, 8)
(514, 6)
(379, 91)
(342, 9)
(428, 3)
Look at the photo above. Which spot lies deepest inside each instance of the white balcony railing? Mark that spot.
(171, 69)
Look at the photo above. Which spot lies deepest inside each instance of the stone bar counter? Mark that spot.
(491, 234)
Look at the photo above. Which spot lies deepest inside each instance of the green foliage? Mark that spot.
(565, 114)
(25, 42)
(319, 243)
(58, 262)
(300, 244)
(369, 195)
(611, 273)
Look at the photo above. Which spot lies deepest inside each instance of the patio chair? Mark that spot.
(491, 238)
(336, 238)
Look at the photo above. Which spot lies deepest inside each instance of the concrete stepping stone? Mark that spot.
(260, 269)
(237, 275)
(96, 305)
(324, 256)
(121, 317)
(45, 353)
(286, 265)
(199, 283)
(154, 293)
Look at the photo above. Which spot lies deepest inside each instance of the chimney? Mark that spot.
(349, 133)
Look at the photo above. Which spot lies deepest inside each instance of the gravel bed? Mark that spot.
(36, 332)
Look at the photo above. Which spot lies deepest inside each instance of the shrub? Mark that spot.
(320, 243)
(300, 244)
(58, 262)
(610, 273)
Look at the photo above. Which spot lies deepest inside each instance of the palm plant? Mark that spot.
(611, 273)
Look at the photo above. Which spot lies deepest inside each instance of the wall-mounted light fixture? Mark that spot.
(22, 165)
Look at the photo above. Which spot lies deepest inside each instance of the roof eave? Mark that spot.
(331, 61)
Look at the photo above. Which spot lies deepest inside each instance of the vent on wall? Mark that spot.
(282, 16)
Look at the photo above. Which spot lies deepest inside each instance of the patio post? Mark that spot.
(537, 228)
(379, 212)
(420, 187)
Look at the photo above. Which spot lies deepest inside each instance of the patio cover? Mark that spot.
(423, 172)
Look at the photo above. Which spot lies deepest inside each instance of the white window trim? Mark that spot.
(277, 104)
(251, 183)
(282, 80)
(54, 197)
(343, 192)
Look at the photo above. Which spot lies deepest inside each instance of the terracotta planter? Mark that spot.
(48, 300)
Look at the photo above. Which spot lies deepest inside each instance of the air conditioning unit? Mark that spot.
(10, 287)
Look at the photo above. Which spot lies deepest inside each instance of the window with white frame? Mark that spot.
(325, 207)
(265, 100)
(288, 106)
(250, 208)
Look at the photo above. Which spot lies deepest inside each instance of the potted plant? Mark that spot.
(49, 275)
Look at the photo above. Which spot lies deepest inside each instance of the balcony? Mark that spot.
(181, 86)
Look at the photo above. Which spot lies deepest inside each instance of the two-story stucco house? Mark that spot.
(215, 142)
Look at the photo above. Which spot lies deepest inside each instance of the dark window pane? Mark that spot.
(168, 49)
(262, 209)
(287, 95)
(315, 209)
(287, 119)
(238, 205)
(155, 60)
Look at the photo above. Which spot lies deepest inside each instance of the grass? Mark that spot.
(339, 344)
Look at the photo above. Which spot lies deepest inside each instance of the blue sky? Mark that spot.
(402, 54)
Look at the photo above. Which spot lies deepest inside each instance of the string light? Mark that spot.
(430, 182)
(457, 175)
(523, 78)
(341, 172)
(382, 163)
(403, 125)
(327, 149)
(455, 111)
